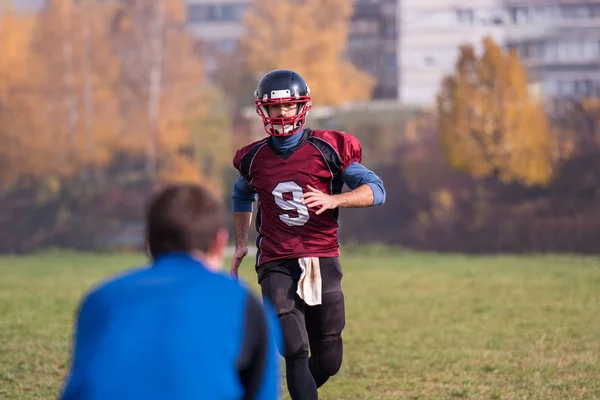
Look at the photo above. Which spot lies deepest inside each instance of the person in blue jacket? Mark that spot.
(178, 328)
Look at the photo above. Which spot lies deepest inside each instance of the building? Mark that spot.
(431, 33)
(559, 44)
(217, 24)
(372, 42)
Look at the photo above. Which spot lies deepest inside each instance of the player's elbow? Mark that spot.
(379, 193)
(241, 204)
(381, 201)
(242, 194)
(243, 197)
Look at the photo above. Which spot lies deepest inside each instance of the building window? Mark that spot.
(584, 87)
(429, 61)
(390, 61)
(465, 16)
(227, 46)
(361, 27)
(576, 11)
(519, 15)
(389, 29)
(215, 12)
(551, 51)
(523, 15)
(537, 49)
(550, 88)
(497, 20)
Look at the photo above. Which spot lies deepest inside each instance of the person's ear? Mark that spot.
(215, 256)
(148, 250)
(219, 244)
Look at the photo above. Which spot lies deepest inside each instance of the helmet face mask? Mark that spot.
(282, 87)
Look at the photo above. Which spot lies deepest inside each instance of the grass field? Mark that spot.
(419, 326)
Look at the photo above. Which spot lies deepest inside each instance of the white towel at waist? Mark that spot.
(309, 285)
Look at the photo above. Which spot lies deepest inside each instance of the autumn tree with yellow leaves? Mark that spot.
(309, 37)
(490, 125)
(160, 77)
(97, 97)
(73, 87)
(89, 81)
(17, 103)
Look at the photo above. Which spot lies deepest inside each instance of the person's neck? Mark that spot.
(285, 143)
(211, 263)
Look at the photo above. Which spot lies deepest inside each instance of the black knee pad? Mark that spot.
(295, 338)
(332, 314)
(327, 360)
(330, 357)
(279, 288)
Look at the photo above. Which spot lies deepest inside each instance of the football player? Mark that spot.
(297, 174)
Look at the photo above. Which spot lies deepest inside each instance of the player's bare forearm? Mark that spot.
(362, 196)
(241, 223)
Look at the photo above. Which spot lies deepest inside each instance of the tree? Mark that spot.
(74, 88)
(16, 109)
(159, 77)
(308, 36)
(489, 124)
(575, 126)
(99, 103)
(210, 135)
(577, 151)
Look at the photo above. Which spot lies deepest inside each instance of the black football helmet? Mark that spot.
(279, 87)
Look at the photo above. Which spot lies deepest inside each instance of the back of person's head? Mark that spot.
(186, 218)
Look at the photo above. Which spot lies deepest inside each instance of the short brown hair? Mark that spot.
(182, 218)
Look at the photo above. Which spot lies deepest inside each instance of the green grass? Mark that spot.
(419, 326)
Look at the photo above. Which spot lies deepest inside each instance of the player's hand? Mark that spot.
(315, 198)
(238, 256)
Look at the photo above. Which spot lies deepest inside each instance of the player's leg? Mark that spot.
(325, 324)
(279, 281)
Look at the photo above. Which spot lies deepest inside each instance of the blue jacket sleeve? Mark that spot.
(356, 175)
(83, 345)
(243, 196)
(270, 388)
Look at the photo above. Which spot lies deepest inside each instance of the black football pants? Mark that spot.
(315, 328)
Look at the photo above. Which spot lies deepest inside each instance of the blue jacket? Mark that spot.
(174, 331)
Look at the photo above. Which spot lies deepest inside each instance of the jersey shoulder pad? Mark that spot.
(346, 146)
(243, 156)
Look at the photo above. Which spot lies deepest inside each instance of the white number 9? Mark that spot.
(288, 196)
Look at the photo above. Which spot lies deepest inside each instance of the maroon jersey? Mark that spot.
(286, 227)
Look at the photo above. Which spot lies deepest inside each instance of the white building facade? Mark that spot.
(559, 43)
(431, 32)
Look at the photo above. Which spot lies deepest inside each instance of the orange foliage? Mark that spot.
(77, 88)
(309, 37)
